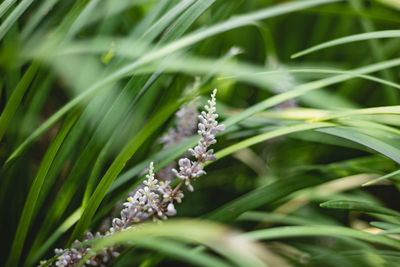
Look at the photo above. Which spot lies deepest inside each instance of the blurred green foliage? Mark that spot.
(308, 91)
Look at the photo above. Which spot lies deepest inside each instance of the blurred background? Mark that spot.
(86, 85)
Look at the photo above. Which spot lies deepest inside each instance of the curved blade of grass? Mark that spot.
(358, 206)
(355, 135)
(34, 191)
(5, 6)
(218, 238)
(375, 129)
(190, 39)
(322, 114)
(16, 97)
(364, 111)
(269, 135)
(390, 232)
(389, 228)
(385, 225)
(387, 176)
(333, 231)
(349, 39)
(13, 17)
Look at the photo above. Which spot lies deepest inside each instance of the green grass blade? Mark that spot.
(269, 135)
(14, 16)
(355, 135)
(387, 176)
(385, 225)
(16, 97)
(358, 206)
(332, 231)
(33, 195)
(5, 6)
(349, 39)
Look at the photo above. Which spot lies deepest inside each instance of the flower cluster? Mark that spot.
(186, 125)
(207, 128)
(154, 199)
(72, 256)
(150, 201)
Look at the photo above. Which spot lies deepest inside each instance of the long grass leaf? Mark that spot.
(387, 176)
(358, 206)
(14, 16)
(16, 97)
(309, 231)
(269, 135)
(349, 39)
(29, 207)
(353, 134)
(5, 6)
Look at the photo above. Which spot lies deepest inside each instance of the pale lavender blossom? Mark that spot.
(207, 128)
(72, 256)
